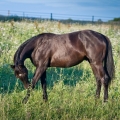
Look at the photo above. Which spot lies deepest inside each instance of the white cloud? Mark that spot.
(26, 1)
(44, 1)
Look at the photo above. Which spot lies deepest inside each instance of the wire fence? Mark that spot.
(53, 16)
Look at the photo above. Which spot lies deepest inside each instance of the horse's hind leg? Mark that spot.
(43, 83)
(101, 78)
(106, 84)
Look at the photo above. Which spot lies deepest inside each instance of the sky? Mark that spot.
(63, 9)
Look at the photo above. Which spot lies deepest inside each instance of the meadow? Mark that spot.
(71, 91)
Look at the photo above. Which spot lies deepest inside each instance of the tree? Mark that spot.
(116, 19)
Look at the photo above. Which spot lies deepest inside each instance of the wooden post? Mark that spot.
(51, 18)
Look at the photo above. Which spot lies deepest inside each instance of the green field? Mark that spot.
(71, 91)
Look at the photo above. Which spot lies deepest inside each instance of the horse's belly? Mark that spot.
(65, 61)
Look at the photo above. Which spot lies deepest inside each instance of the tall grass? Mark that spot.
(71, 91)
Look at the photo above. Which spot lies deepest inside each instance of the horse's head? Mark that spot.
(21, 72)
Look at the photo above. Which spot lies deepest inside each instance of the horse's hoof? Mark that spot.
(25, 100)
(45, 100)
(105, 100)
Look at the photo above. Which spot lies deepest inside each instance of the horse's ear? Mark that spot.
(12, 66)
(21, 66)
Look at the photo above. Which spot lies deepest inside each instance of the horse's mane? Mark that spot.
(19, 50)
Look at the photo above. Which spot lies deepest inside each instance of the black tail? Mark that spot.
(109, 62)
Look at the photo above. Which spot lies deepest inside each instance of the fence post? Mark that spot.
(51, 18)
(92, 19)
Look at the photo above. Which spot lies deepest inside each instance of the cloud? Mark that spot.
(26, 1)
(37, 1)
(69, 3)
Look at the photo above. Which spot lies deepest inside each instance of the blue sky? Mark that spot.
(74, 9)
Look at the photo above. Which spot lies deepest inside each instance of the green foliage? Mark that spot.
(71, 91)
(116, 19)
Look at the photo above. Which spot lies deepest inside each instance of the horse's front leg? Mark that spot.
(39, 71)
(44, 87)
(28, 94)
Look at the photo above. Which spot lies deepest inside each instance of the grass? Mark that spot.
(71, 91)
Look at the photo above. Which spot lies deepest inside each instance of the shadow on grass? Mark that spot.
(69, 76)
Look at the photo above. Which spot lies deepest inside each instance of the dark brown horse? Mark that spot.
(66, 50)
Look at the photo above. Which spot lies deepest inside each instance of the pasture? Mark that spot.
(71, 91)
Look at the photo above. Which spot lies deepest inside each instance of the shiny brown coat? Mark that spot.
(66, 50)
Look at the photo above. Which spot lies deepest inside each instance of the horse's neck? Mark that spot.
(26, 49)
(21, 53)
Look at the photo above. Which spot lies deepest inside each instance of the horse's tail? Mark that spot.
(109, 61)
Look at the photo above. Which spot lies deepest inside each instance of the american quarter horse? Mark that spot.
(65, 50)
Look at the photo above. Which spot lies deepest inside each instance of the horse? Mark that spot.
(65, 50)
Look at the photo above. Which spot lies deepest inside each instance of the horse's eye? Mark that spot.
(17, 73)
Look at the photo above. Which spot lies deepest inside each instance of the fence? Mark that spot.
(54, 16)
